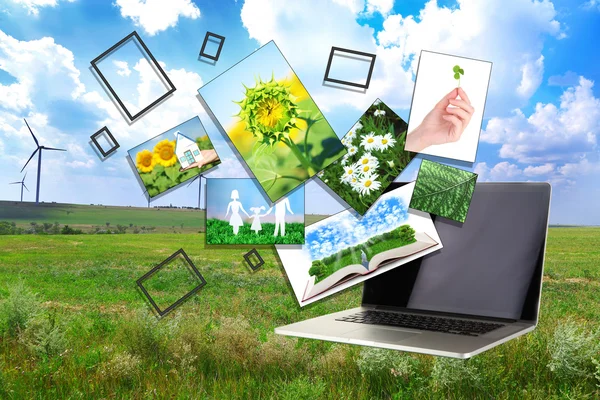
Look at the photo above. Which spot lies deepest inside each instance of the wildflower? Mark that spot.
(367, 169)
(369, 182)
(367, 158)
(352, 150)
(370, 141)
(379, 113)
(385, 141)
(349, 173)
(145, 161)
(358, 126)
(164, 153)
(269, 111)
(355, 184)
(345, 159)
(391, 163)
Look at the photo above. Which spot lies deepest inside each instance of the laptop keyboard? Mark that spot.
(422, 322)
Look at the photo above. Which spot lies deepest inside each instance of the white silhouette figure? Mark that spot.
(256, 226)
(235, 206)
(280, 208)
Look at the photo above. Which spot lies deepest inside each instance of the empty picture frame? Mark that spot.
(361, 56)
(254, 254)
(206, 39)
(201, 282)
(109, 138)
(152, 61)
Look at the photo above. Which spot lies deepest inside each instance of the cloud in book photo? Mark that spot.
(346, 229)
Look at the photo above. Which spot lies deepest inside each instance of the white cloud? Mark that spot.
(582, 167)
(503, 171)
(122, 68)
(543, 169)
(550, 134)
(155, 16)
(592, 5)
(33, 6)
(81, 164)
(42, 68)
(356, 6)
(381, 6)
(532, 74)
(510, 34)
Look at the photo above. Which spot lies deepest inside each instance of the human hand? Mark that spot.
(208, 156)
(445, 123)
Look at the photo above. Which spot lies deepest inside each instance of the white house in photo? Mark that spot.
(187, 150)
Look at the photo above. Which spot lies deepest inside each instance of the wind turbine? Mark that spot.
(39, 171)
(22, 183)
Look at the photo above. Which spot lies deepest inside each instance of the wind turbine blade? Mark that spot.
(194, 180)
(32, 154)
(25, 187)
(24, 177)
(14, 183)
(34, 138)
(52, 148)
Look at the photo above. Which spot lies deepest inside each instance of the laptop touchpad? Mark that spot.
(379, 334)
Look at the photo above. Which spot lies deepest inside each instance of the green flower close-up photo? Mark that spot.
(443, 190)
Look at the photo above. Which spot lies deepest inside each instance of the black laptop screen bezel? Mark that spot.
(374, 295)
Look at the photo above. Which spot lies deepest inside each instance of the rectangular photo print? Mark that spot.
(272, 121)
(174, 157)
(375, 158)
(237, 212)
(343, 250)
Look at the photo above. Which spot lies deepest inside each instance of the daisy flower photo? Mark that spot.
(375, 157)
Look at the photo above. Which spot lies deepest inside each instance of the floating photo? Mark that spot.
(343, 250)
(174, 157)
(375, 158)
(447, 107)
(443, 190)
(238, 213)
(272, 121)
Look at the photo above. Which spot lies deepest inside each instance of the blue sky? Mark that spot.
(219, 196)
(344, 230)
(541, 123)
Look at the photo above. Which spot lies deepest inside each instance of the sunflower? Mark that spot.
(144, 161)
(269, 112)
(164, 153)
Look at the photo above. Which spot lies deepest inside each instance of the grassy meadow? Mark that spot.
(220, 232)
(73, 325)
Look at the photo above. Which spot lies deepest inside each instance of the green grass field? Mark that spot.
(220, 232)
(94, 336)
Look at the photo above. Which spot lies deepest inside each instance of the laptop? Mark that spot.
(481, 289)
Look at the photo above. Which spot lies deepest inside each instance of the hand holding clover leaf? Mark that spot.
(445, 123)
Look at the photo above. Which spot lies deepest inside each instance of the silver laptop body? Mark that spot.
(489, 274)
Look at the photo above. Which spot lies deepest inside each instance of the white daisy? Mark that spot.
(367, 158)
(350, 135)
(369, 182)
(349, 173)
(370, 141)
(352, 150)
(379, 113)
(368, 169)
(355, 184)
(345, 159)
(385, 141)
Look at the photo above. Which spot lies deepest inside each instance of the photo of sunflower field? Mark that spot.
(272, 121)
(375, 158)
(157, 161)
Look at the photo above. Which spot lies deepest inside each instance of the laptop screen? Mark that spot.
(490, 266)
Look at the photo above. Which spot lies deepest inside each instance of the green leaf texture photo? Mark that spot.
(443, 190)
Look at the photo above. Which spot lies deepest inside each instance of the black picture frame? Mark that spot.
(140, 283)
(206, 38)
(258, 257)
(95, 61)
(334, 49)
(111, 137)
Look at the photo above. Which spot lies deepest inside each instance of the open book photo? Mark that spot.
(344, 249)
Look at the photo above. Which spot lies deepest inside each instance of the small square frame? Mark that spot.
(140, 283)
(206, 37)
(96, 60)
(342, 82)
(255, 253)
(112, 138)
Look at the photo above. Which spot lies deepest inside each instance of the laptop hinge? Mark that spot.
(440, 313)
